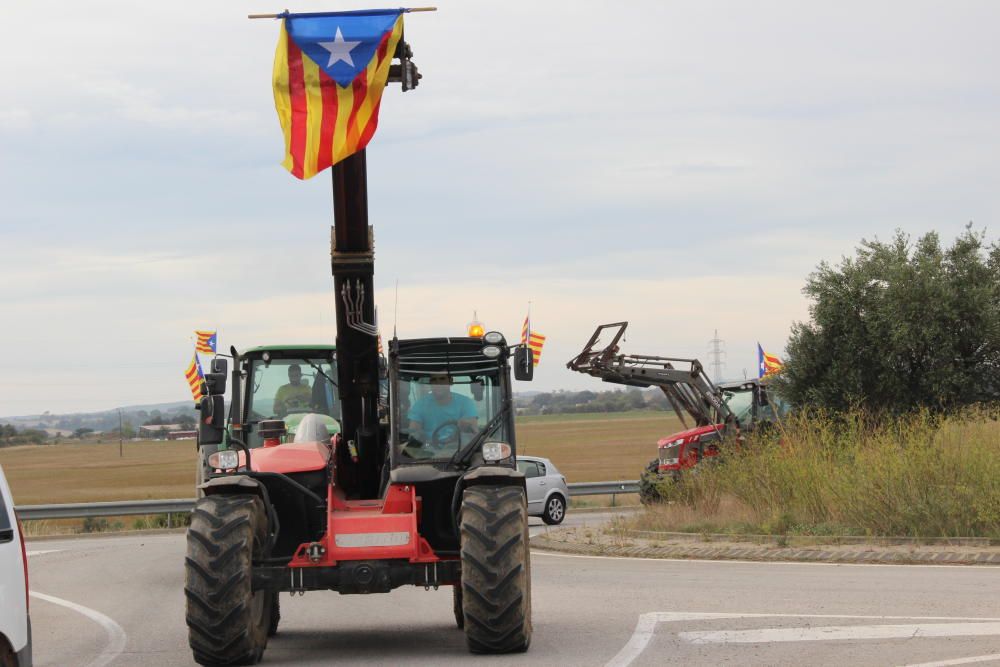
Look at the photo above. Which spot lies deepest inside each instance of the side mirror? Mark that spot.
(216, 380)
(215, 383)
(524, 364)
(212, 421)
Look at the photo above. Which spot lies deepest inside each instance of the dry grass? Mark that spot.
(585, 448)
(920, 476)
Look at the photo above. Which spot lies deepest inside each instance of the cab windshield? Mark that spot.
(289, 389)
(440, 415)
(740, 403)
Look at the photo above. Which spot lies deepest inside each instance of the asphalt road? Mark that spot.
(119, 601)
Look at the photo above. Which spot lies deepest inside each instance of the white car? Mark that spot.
(548, 495)
(15, 625)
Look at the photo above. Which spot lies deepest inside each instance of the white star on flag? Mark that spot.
(339, 49)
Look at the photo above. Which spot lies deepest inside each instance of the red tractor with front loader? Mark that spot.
(719, 414)
(386, 496)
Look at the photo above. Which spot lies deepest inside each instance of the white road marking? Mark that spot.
(726, 561)
(39, 552)
(840, 632)
(646, 627)
(116, 635)
(958, 661)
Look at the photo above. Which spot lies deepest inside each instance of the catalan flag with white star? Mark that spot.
(194, 376)
(206, 342)
(767, 363)
(532, 339)
(329, 73)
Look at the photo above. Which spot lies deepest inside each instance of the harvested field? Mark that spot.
(585, 447)
(88, 472)
(596, 447)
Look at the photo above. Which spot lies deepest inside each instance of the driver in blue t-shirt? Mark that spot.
(433, 417)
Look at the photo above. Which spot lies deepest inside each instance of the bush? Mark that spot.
(899, 327)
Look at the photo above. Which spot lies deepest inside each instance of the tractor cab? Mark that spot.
(751, 404)
(450, 400)
(289, 383)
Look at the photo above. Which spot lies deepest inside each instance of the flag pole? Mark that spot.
(278, 16)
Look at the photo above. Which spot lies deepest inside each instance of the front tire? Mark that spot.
(555, 510)
(227, 622)
(496, 575)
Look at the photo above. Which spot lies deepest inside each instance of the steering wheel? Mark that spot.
(454, 436)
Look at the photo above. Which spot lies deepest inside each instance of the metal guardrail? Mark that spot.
(117, 508)
(603, 488)
(182, 505)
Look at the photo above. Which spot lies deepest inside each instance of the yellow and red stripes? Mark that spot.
(534, 340)
(772, 364)
(193, 377)
(323, 122)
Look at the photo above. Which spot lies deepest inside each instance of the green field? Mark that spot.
(585, 448)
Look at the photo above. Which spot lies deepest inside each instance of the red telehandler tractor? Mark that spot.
(377, 503)
(719, 412)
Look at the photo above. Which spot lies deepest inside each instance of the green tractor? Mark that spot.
(287, 382)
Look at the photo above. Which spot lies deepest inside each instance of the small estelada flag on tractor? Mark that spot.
(206, 341)
(329, 73)
(532, 339)
(194, 376)
(767, 364)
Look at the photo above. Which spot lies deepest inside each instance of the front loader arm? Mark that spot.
(683, 381)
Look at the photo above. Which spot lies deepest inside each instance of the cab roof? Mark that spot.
(326, 347)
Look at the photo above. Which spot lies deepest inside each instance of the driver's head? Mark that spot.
(441, 387)
(295, 374)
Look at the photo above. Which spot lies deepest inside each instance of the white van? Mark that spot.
(15, 625)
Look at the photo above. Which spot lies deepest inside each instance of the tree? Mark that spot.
(899, 327)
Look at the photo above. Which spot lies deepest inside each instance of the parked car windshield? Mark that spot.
(439, 415)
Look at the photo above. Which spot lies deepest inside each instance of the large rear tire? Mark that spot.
(496, 575)
(227, 622)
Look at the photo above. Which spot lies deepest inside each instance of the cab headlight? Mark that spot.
(493, 338)
(496, 451)
(227, 459)
(491, 351)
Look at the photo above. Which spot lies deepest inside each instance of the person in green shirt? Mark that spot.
(294, 396)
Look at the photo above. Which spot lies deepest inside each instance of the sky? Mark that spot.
(683, 166)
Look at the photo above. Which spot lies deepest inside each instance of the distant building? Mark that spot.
(159, 431)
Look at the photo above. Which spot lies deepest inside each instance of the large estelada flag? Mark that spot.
(532, 339)
(767, 363)
(329, 73)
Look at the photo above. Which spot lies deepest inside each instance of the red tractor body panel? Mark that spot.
(357, 530)
(684, 449)
(290, 457)
(385, 529)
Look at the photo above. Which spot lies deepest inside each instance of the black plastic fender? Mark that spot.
(241, 484)
(495, 475)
